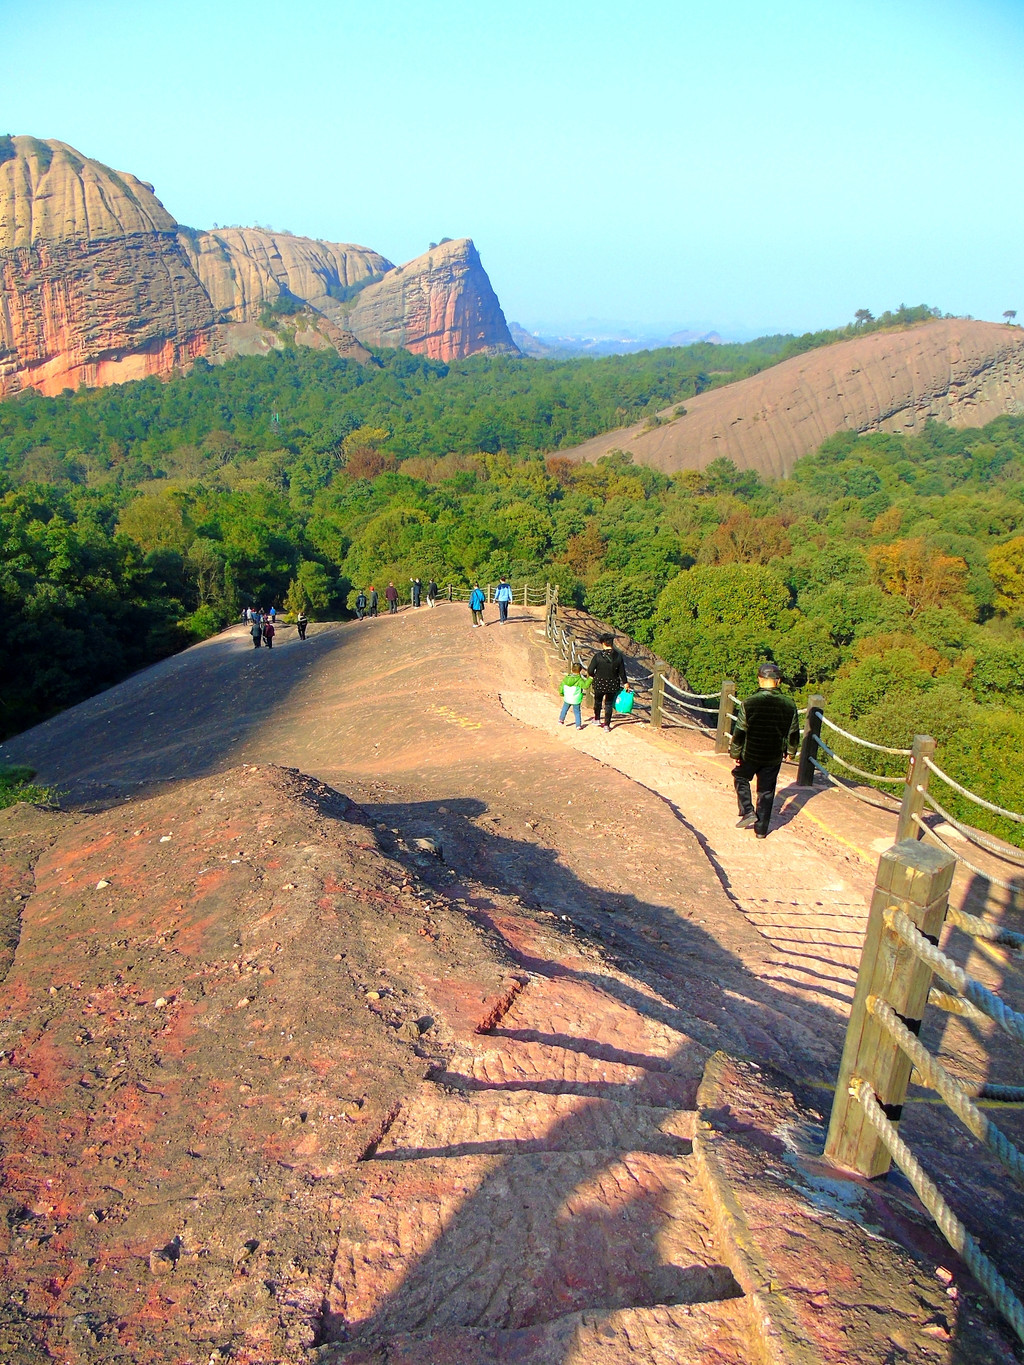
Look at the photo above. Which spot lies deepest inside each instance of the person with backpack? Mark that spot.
(477, 601)
(391, 594)
(607, 671)
(766, 726)
(302, 621)
(360, 604)
(417, 592)
(571, 688)
(374, 600)
(503, 596)
(431, 594)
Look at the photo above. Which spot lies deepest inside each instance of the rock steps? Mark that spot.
(536, 1201)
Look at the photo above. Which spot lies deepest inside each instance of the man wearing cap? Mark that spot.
(767, 725)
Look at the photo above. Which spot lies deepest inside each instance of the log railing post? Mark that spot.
(725, 708)
(917, 784)
(526, 594)
(915, 877)
(809, 744)
(657, 695)
(449, 592)
(547, 594)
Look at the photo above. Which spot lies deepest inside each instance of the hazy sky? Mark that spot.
(748, 166)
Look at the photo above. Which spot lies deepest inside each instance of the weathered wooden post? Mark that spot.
(917, 784)
(657, 695)
(809, 744)
(547, 594)
(916, 878)
(526, 594)
(725, 706)
(449, 592)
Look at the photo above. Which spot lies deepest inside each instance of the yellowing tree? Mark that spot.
(1006, 565)
(922, 577)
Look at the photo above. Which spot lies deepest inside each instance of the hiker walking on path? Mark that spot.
(257, 631)
(302, 621)
(268, 632)
(361, 604)
(431, 594)
(391, 593)
(374, 600)
(607, 670)
(503, 596)
(417, 592)
(767, 725)
(572, 687)
(476, 605)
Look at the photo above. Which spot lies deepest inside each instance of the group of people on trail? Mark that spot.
(368, 599)
(766, 728)
(263, 625)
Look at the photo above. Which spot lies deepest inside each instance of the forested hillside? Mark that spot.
(888, 572)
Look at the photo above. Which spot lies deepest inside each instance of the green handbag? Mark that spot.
(624, 703)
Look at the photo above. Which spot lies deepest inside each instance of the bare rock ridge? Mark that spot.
(955, 370)
(99, 284)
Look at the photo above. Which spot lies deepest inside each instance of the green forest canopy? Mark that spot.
(888, 571)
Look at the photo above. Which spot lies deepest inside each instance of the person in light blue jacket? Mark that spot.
(503, 596)
(476, 605)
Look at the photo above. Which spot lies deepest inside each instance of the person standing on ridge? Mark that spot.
(476, 605)
(431, 594)
(391, 593)
(302, 621)
(268, 632)
(360, 604)
(607, 669)
(374, 600)
(503, 596)
(417, 592)
(767, 726)
(256, 631)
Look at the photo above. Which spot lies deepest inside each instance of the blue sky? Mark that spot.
(753, 167)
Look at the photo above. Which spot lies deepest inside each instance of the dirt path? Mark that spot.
(510, 1209)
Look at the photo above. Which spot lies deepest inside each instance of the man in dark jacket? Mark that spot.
(767, 725)
(607, 668)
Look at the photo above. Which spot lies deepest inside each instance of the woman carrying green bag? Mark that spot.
(607, 669)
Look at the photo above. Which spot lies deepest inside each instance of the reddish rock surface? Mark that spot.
(957, 370)
(99, 284)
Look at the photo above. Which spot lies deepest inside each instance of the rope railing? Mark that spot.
(871, 777)
(695, 696)
(975, 836)
(851, 790)
(867, 743)
(936, 837)
(983, 928)
(983, 1270)
(971, 796)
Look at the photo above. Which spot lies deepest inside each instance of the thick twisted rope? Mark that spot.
(904, 927)
(936, 1077)
(980, 800)
(871, 777)
(930, 833)
(696, 696)
(851, 791)
(868, 744)
(983, 1270)
(976, 837)
(983, 928)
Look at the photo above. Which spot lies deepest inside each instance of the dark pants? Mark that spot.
(268, 640)
(257, 641)
(607, 699)
(415, 599)
(503, 610)
(766, 780)
(302, 630)
(393, 608)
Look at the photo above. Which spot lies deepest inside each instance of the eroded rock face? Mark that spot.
(955, 370)
(441, 305)
(99, 284)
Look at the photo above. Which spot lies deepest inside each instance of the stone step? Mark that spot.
(511, 1242)
(437, 1122)
(715, 1333)
(582, 1067)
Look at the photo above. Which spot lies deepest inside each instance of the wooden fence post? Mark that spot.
(809, 744)
(724, 732)
(917, 784)
(526, 594)
(657, 695)
(915, 877)
(547, 594)
(449, 592)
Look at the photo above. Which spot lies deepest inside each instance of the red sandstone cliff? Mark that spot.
(956, 370)
(99, 284)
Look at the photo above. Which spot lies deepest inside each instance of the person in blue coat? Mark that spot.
(476, 605)
(503, 596)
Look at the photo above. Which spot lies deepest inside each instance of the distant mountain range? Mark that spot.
(99, 284)
(602, 339)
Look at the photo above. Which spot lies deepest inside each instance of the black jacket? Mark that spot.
(766, 726)
(608, 669)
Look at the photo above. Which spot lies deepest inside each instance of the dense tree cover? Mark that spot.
(887, 572)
